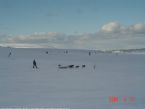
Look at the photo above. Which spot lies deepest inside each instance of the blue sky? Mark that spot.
(70, 17)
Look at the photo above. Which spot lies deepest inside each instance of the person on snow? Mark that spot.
(9, 54)
(34, 64)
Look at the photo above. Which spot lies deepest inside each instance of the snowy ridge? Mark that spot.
(130, 51)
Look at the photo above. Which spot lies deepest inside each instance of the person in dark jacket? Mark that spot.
(34, 64)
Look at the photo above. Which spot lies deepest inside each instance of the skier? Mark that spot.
(34, 64)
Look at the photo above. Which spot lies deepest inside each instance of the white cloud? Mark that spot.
(111, 36)
(112, 27)
(25, 45)
(115, 27)
(38, 37)
(137, 28)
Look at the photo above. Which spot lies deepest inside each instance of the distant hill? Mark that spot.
(141, 50)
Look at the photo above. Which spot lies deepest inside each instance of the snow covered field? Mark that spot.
(121, 75)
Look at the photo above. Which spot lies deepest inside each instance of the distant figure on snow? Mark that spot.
(94, 67)
(9, 54)
(34, 64)
(46, 52)
(89, 53)
(66, 52)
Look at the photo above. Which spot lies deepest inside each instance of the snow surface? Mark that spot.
(121, 75)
